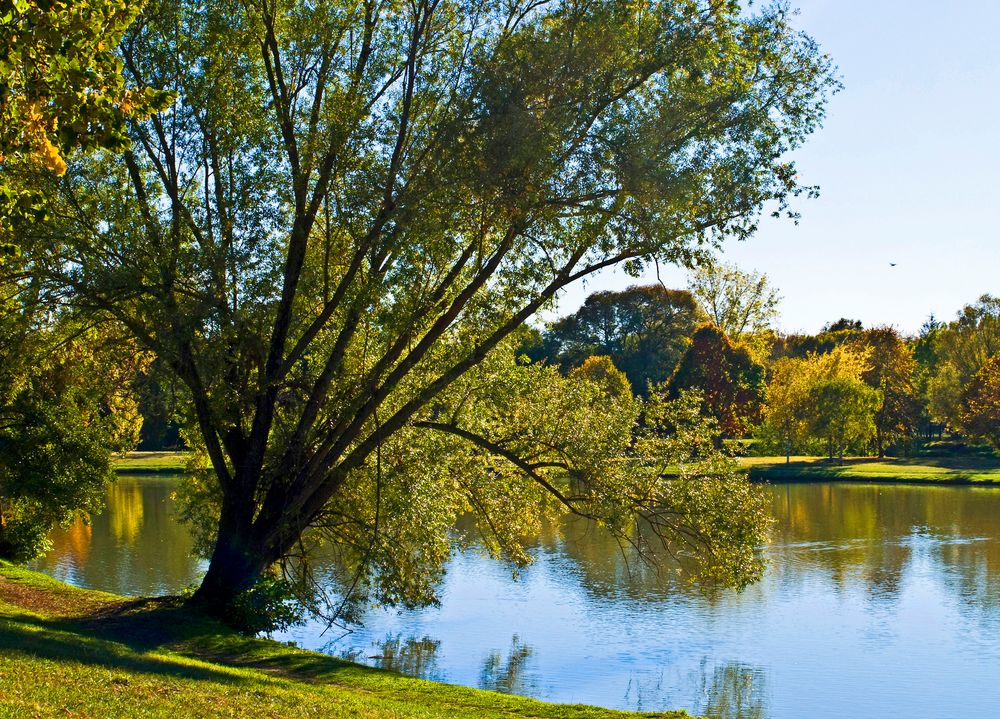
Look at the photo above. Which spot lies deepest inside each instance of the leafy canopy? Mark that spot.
(61, 88)
(335, 232)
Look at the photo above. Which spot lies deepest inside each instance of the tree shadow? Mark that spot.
(82, 641)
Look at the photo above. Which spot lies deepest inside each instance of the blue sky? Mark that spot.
(907, 161)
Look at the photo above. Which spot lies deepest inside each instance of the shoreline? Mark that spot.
(77, 652)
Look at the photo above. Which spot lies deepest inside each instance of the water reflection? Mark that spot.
(736, 691)
(878, 601)
(509, 674)
(136, 546)
(411, 656)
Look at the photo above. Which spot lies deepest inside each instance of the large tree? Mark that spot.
(351, 207)
(644, 330)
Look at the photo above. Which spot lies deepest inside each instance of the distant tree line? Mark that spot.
(846, 389)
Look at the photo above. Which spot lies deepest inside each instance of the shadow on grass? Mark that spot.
(115, 639)
(121, 636)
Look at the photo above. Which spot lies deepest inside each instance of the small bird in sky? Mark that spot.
(892, 264)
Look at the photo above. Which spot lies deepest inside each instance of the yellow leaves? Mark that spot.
(36, 133)
(52, 159)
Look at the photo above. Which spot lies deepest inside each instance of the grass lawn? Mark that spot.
(955, 469)
(68, 652)
(152, 463)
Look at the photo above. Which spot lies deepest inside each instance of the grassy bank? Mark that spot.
(950, 469)
(152, 463)
(76, 653)
(961, 467)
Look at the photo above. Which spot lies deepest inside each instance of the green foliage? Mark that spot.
(602, 371)
(961, 349)
(61, 89)
(730, 379)
(709, 495)
(644, 330)
(334, 233)
(270, 605)
(979, 413)
(742, 304)
(844, 412)
(66, 407)
(891, 372)
(821, 396)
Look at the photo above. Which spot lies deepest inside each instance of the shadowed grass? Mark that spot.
(72, 652)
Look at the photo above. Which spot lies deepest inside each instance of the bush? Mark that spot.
(270, 605)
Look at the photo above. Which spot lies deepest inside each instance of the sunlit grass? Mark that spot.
(962, 469)
(152, 462)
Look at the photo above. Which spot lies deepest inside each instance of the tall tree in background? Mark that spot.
(333, 234)
(961, 349)
(979, 412)
(731, 381)
(644, 330)
(843, 411)
(742, 304)
(891, 372)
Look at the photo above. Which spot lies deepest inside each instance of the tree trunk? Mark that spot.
(878, 442)
(236, 563)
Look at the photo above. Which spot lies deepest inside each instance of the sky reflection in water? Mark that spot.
(879, 601)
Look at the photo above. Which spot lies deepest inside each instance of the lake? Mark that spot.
(880, 601)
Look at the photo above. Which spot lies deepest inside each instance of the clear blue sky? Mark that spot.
(908, 163)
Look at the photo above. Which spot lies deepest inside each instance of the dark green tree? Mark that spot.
(644, 330)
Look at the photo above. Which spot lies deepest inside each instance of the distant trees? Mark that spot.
(954, 353)
(979, 410)
(730, 380)
(844, 388)
(742, 304)
(644, 330)
(891, 371)
(821, 397)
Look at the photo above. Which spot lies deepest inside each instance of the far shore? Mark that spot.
(964, 469)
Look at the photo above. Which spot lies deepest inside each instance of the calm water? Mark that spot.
(880, 602)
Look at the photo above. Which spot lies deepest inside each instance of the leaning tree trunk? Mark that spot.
(237, 560)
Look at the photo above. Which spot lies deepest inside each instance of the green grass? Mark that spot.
(962, 468)
(67, 652)
(152, 463)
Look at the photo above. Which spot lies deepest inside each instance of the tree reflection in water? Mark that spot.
(735, 691)
(509, 675)
(411, 656)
